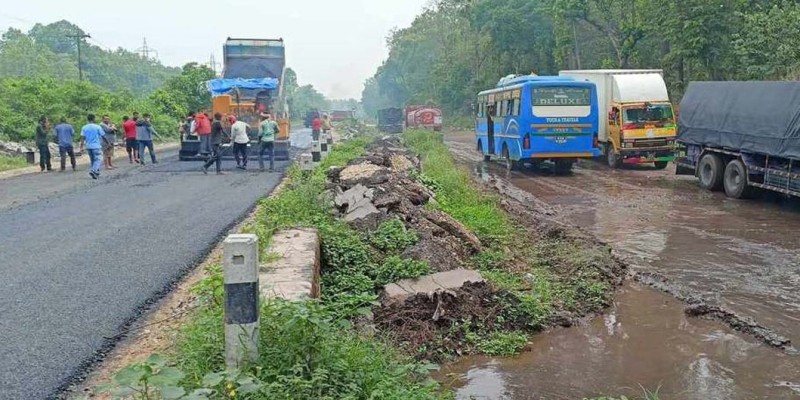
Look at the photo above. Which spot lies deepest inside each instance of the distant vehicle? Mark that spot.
(342, 115)
(391, 120)
(427, 117)
(534, 119)
(249, 67)
(637, 123)
(741, 136)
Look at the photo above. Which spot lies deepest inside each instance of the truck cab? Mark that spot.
(637, 123)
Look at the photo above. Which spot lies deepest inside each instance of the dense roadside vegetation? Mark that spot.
(326, 349)
(9, 162)
(308, 350)
(39, 76)
(456, 48)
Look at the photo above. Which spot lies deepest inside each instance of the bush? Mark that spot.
(392, 237)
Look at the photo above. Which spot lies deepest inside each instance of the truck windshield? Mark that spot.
(653, 113)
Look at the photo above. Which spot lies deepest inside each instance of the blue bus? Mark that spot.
(533, 119)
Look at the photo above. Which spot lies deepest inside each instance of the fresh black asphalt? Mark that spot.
(80, 258)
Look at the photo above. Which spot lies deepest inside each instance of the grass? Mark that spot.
(543, 274)
(455, 192)
(8, 163)
(308, 349)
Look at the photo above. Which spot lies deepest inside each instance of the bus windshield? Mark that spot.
(652, 113)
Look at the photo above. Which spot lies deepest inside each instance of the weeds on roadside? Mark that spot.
(8, 163)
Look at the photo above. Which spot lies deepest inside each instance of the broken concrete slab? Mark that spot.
(398, 292)
(351, 196)
(455, 228)
(295, 275)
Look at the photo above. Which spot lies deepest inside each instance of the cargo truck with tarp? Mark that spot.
(637, 123)
(251, 84)
(741, 136)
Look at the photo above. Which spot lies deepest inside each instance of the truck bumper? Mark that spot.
(645, 156)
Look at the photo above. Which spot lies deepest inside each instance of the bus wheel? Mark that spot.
(507, 159)
(564, 167)
(710, 170)
(613, 158)
(661, 164)
(735, 180)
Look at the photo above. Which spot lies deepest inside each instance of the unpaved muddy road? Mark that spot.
(741, 255)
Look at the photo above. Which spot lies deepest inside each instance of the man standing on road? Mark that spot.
(109, 139)
(43, 143)
(316, 126)
(65, 134)
(91, 141)
(129, 126)
(240, 141)
(215, 139)
(266, 136)
(144, 137)
(202, 128)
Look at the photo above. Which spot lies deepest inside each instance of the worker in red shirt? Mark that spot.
(316, 127)
(202, 128)
(129, 126)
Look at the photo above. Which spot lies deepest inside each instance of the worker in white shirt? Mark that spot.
(240, 141)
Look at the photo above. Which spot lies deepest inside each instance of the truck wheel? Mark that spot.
(613, 158)
(735, 181)
(710, 171)
(661, 164)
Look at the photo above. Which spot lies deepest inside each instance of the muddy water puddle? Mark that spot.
(644, 339)
(742, 255)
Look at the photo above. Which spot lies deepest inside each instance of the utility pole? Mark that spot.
(78, 38)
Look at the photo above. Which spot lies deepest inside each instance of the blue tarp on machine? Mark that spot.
(218, 87)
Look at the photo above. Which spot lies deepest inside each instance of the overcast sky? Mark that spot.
(332, 44)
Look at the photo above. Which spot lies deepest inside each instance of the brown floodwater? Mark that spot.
(742, 255)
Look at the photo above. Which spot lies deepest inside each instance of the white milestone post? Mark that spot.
(316, 152)
(323, 144)
(240, 253)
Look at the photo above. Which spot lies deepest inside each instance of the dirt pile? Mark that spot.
(379, 186)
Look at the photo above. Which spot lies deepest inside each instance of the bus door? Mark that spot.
(490, 128)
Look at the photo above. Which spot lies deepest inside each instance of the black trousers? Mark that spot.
(216, 157)
(267, 147)
(65, 151)
(240, 153)
(44, 158)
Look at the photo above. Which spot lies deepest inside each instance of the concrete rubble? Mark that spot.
(380, 186)
(450, 281)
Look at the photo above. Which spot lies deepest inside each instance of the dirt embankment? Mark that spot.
(384, 184)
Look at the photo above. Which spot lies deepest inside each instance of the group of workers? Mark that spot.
(211, 133)
(97, 140)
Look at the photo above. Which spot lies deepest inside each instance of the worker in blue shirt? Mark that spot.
(91, 140)
(65, 134)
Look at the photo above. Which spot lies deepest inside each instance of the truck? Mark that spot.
(428, 117)
(637, 121)
(390, 120)
(253, 82)
(342, 115)
(741, 137)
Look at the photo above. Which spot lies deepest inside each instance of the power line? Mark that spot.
(78, 38)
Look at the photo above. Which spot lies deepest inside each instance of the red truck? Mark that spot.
(424, 117)
(340, 115)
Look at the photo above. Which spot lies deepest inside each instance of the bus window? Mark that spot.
(516, 107)
(503, 108)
